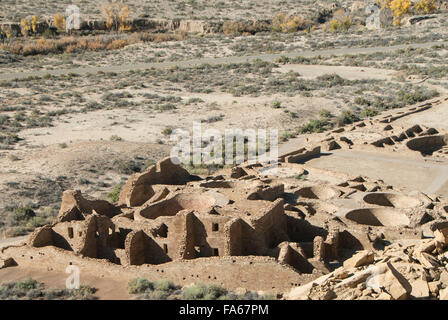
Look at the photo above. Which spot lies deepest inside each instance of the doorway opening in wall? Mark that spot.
(215, 227)
(163, 231)
(215, 252)
(70, 232)
(165, 248)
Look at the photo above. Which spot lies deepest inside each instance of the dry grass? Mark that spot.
(72, 44)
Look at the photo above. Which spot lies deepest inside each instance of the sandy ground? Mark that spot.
(88, 146)
(12, 241)
(140, 126)
(123, 65)
(108, 289)
(410, 174)
(437, 118)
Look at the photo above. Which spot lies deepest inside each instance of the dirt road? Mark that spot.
(214, 61)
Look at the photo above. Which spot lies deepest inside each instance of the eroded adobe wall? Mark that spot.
(72, 235)
(233, 230)
(235, 272)
(94, 237)
(293, 255)
(175, 203)
(75, 207)
(135, 248)
(42, 237)
(210, 236)
(178, 242)
(230, 272)
(268, 193)
(138, 190)
(301, 230)
(272, 225)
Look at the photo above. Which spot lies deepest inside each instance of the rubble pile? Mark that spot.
(408, 269)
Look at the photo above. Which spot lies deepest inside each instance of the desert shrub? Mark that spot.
(161, 37)
(19, 215)
(167, 131)
(340, 24)
(213, 119)
(25, 27)
(165, 107)
(140, 285)
(194, 101)
(26, 285)
(325, 113)
(369, 112)
(5, 32)
(164, 285)
(28, 27)
(251, 295)
(50, 33)
(201, 291)
(276, 104)
(34, 21)
(244, 27)
(159, 290)
(20, 289)
(110, 96)
(348, 117)
(9, 139)
(286, 136)
(59, 21)
(30, 289)
(232, 27)
(314, 125)
(117, 15)
(114, 195)
(419, 95)
(22, 220)
(400, 7)
(92, 106)
(331, 80)
(118, 44)
(322, 16)
(290, 24)
(127, 166)
(425, 6)
(48, 44)
(41, 46)
(362, 101)
(83, 293)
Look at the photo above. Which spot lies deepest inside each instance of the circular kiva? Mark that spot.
(391, 200)
(378, 217)
(317, 192)
(428, 145)
(170, 207)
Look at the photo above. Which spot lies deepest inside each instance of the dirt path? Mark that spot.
(224, 60)
(12, 241)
